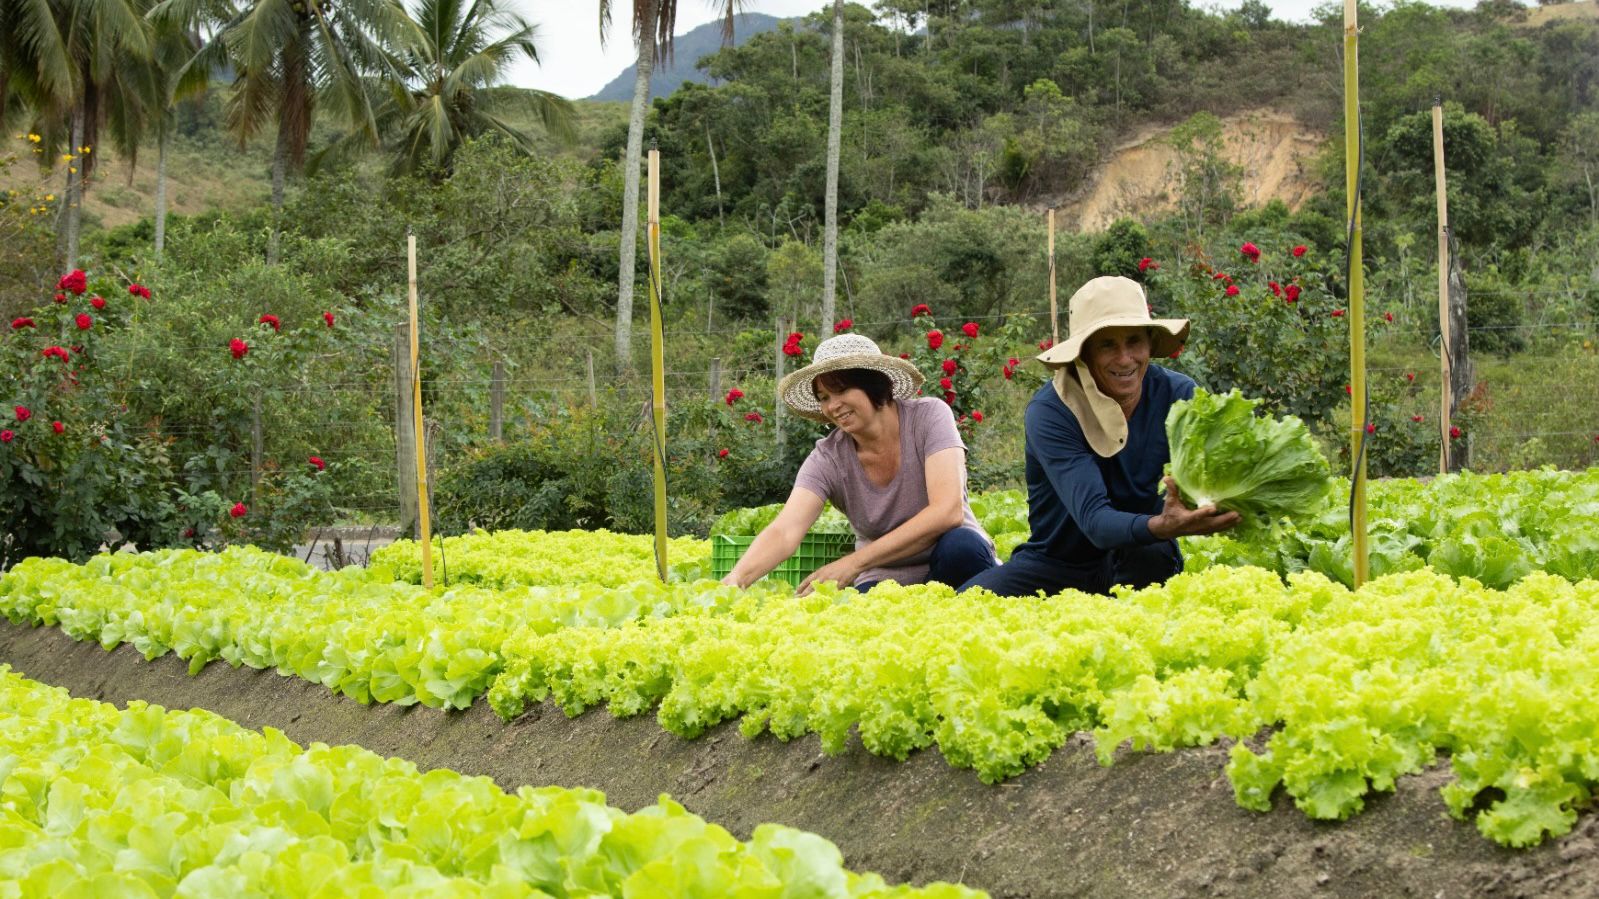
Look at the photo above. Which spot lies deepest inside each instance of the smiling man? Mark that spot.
(1096, 451)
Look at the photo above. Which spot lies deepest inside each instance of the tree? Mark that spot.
(449, 58)
(73, 63)
(653, 24)
(289, 57)
(835, 130)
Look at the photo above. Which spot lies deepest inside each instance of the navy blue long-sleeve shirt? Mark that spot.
(1080, 505)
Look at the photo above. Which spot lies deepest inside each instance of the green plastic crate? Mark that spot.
(814, 551)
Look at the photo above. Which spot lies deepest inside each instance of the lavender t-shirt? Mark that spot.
(833, 471)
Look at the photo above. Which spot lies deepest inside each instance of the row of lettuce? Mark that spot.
(1494, 528)
(151, 803)
(1349, 689)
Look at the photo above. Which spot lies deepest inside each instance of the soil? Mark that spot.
(1150, 825)
(1272, 147)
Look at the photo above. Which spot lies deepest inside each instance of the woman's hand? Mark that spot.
(842, 572)
(1177, 520)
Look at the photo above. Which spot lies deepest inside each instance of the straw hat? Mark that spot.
(1113, 302)
(1106, 302)
(837, 353)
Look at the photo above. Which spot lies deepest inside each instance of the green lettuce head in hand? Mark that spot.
(1263, 468)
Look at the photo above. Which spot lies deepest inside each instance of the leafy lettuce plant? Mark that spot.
(1263, 468)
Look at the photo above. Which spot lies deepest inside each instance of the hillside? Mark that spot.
(688, 49)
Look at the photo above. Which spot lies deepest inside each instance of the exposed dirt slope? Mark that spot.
(1271, 147)
(1151, 825)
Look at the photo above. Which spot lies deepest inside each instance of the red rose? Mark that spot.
(328, 317)
(1371, 427)
(950, 365)
(17, 324)
(721, 453)
(57, 352)
(733, 396)
(23, 413)
(238, 510)
(1232, 290)
(1349, 391)
(1175, 353)
(7, 436)
(1387, 316)
(796, 336)
(238, 348)
(1410, 376)
(977, 416)
(139, 290)
(1250, 251)
(61, 298)
(1338, 313)
(843, 325)
(97, 301)
(1415, 418)
(188, 533)
(268, 318)
(84, 321)
(74, 281)
(949, 397)
(969, 329)
(1146, 263)
(1221, 276)
(946, 383)
(1046, 343)
(317, 463)
(1008, 372)
(792, 349)
(754, 416)
(1454, 433)
(920, 309)
(935, 339)
(1291, 293)
(1276, 289)
(904, 355)
(58, 427)
(1299, 251)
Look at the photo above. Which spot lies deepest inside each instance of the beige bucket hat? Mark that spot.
(1106, 302)
(837, 353)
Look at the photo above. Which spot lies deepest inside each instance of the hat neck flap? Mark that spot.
(1102, 420)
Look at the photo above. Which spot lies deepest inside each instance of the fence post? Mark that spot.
(404, 428)
(777, 376)
(594, 400)
(1461, 376)
(497, 403)
(716, 378)
(255, 450)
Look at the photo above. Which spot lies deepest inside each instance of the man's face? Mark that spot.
(1118, 358)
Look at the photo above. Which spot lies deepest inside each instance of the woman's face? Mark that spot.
(1118, 358)
(849, 409)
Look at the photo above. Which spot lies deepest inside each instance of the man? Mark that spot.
(1096, 450)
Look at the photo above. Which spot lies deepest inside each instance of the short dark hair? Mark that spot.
(876, 385)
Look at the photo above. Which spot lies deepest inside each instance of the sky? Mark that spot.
(573, 64)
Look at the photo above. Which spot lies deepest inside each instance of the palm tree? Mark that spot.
(653, 24)
(835, 130)
(75, 64)
(290, 58)
(454, 51)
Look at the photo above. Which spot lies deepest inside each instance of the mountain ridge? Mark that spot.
(688, 49)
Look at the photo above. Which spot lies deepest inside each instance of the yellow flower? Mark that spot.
(49, 198)
(73, 169)
(34, 137)
(67, 157)
(85, 150)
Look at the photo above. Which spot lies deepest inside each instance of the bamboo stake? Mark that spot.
(1054, 308)
(657, 366)
(1357, 289)
(416, 412)
(1446, 406)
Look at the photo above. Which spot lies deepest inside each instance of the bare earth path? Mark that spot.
(1151, 825)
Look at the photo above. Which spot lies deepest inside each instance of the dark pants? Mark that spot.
(958, 556)
(1029, 572)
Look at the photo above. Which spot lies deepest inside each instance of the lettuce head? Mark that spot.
(1263, 468)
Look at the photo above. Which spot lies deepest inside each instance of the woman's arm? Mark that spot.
(946, 482)
(778, 540)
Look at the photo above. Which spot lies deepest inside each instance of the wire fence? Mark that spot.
(1537, 407)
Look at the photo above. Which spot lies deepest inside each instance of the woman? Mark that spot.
(894, 465)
